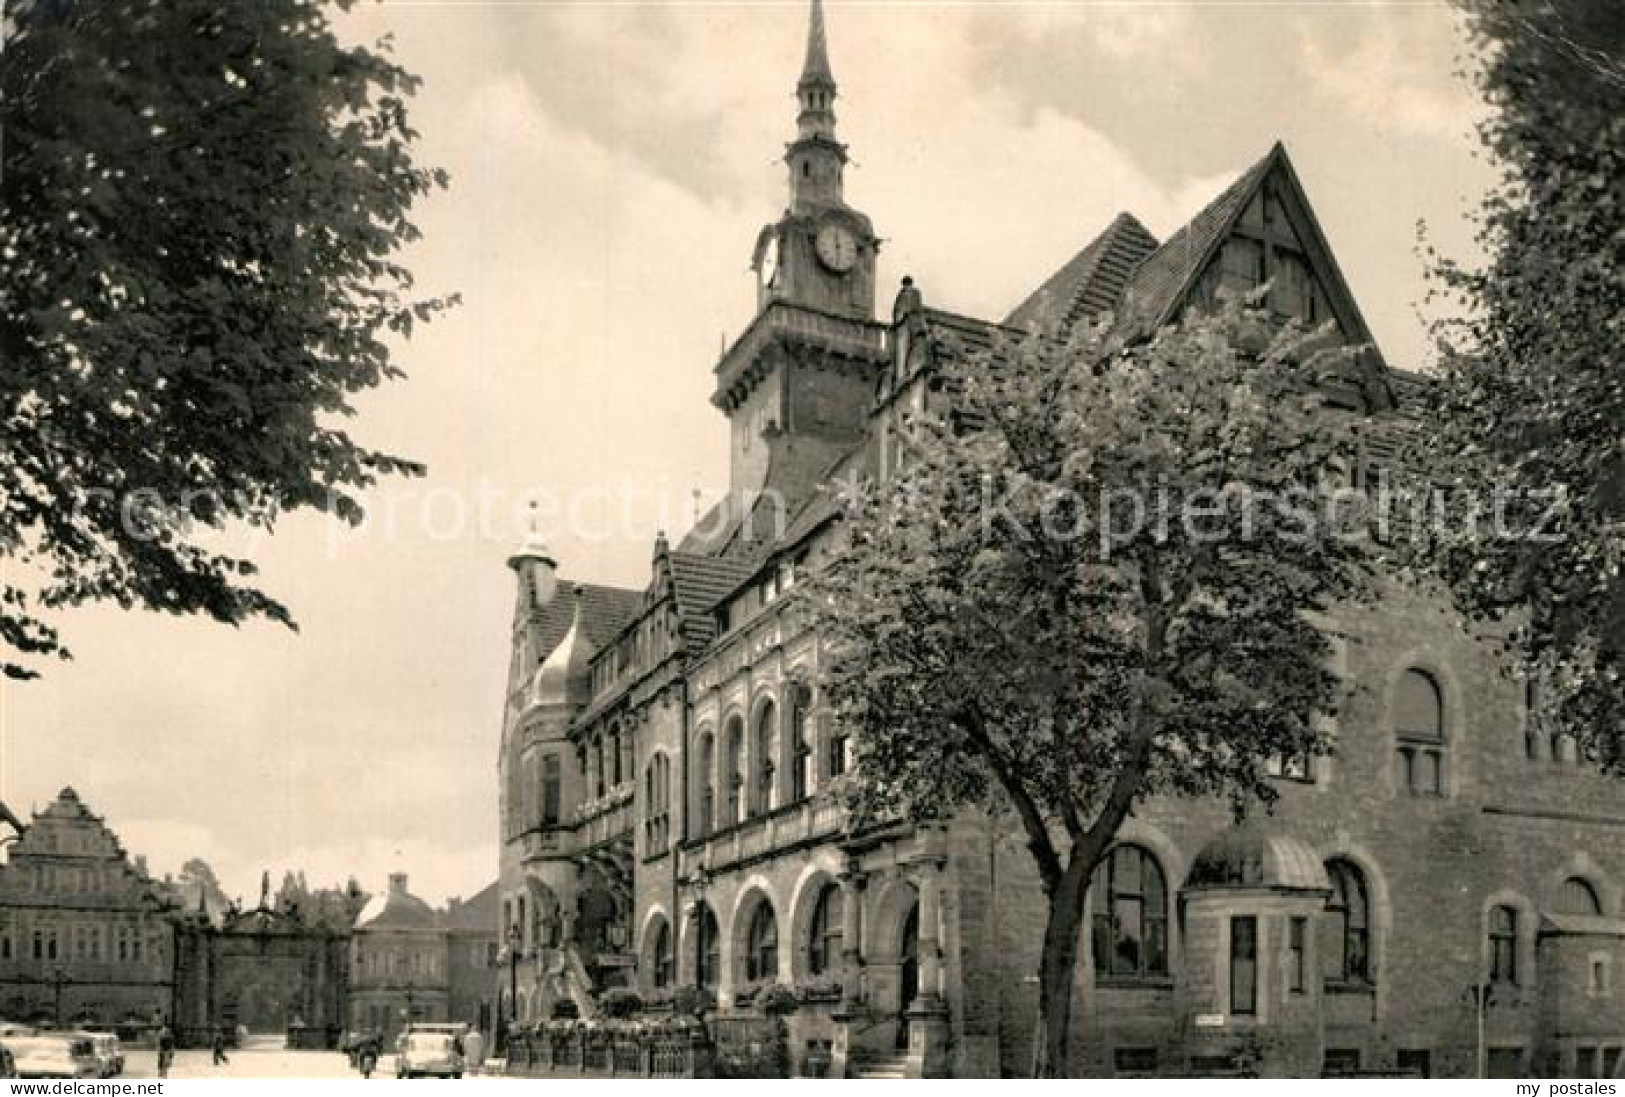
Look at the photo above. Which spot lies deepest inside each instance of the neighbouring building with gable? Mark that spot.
(85, 936)
(665, 767)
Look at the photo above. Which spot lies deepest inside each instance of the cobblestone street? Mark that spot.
(252, 1062)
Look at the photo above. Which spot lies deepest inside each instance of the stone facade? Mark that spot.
(471, 958)
(85, 936)
(667, 773)
(400, 963)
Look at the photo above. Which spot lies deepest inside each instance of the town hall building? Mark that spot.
(666, 768)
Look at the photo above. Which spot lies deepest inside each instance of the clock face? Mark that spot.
(837, 248)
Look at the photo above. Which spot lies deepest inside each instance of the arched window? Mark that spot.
(657, 804)
(661, 956)
(735, 777)
(598, 766)
(707, 948)
(802, 777)
(1130, 922)
(1347, 948)
(615, 774)
(1579, 897)
(1503, 945)
(1419, 733)
(765, 796)
(762, 944)
(824, 934)
(708, 783)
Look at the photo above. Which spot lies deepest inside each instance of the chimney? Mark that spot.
(397, 883)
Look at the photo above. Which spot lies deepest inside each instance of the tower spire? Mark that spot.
(816, 88)
(816, 68)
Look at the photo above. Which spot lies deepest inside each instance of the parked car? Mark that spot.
(55, 1056)
(429, 1053)
(109, 1053)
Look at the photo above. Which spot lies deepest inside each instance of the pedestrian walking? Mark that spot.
(219, 1047)
(166, 1050)
(367, 1054)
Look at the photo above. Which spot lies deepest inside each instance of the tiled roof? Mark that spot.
(482, 913)
(1092, 282)
(1407, 386)
(711, 531)
(604, 610)
(397, 909)
(825, 504)
(698, 583)
(1161, 281)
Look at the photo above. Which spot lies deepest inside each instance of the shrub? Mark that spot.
(620, 1002)
(776, 998)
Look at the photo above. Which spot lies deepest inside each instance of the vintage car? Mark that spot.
(55, 1055)
(109, 1053)
(423, 1054)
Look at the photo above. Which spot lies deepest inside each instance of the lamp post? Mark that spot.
(515, 941)
(58, 977)
(1481, 996)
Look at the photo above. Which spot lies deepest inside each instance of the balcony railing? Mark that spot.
(608, 817)
(801, 822)
(838, 334)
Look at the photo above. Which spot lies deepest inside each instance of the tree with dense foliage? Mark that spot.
(201, 211)
(333, 907)
(1101, 574)
(198, 888)
(1530, 408)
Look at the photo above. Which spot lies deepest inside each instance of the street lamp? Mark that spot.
(1481, 996)
(57, 979)
(515, 940)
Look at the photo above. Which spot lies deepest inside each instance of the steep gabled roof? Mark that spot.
(604, 610)
(1090, 283)
(1162, 282)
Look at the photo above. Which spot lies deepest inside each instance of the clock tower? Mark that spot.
(798, 384)
(821, 253)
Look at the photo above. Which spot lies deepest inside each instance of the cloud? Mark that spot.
(1384, 79)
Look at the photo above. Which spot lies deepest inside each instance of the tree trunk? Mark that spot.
(1057, 974)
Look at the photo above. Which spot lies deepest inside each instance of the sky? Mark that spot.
(611, 165)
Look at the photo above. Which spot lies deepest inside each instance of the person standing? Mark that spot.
(474, 1048)
(219, 1047)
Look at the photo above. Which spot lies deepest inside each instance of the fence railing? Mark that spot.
(585, 1054)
